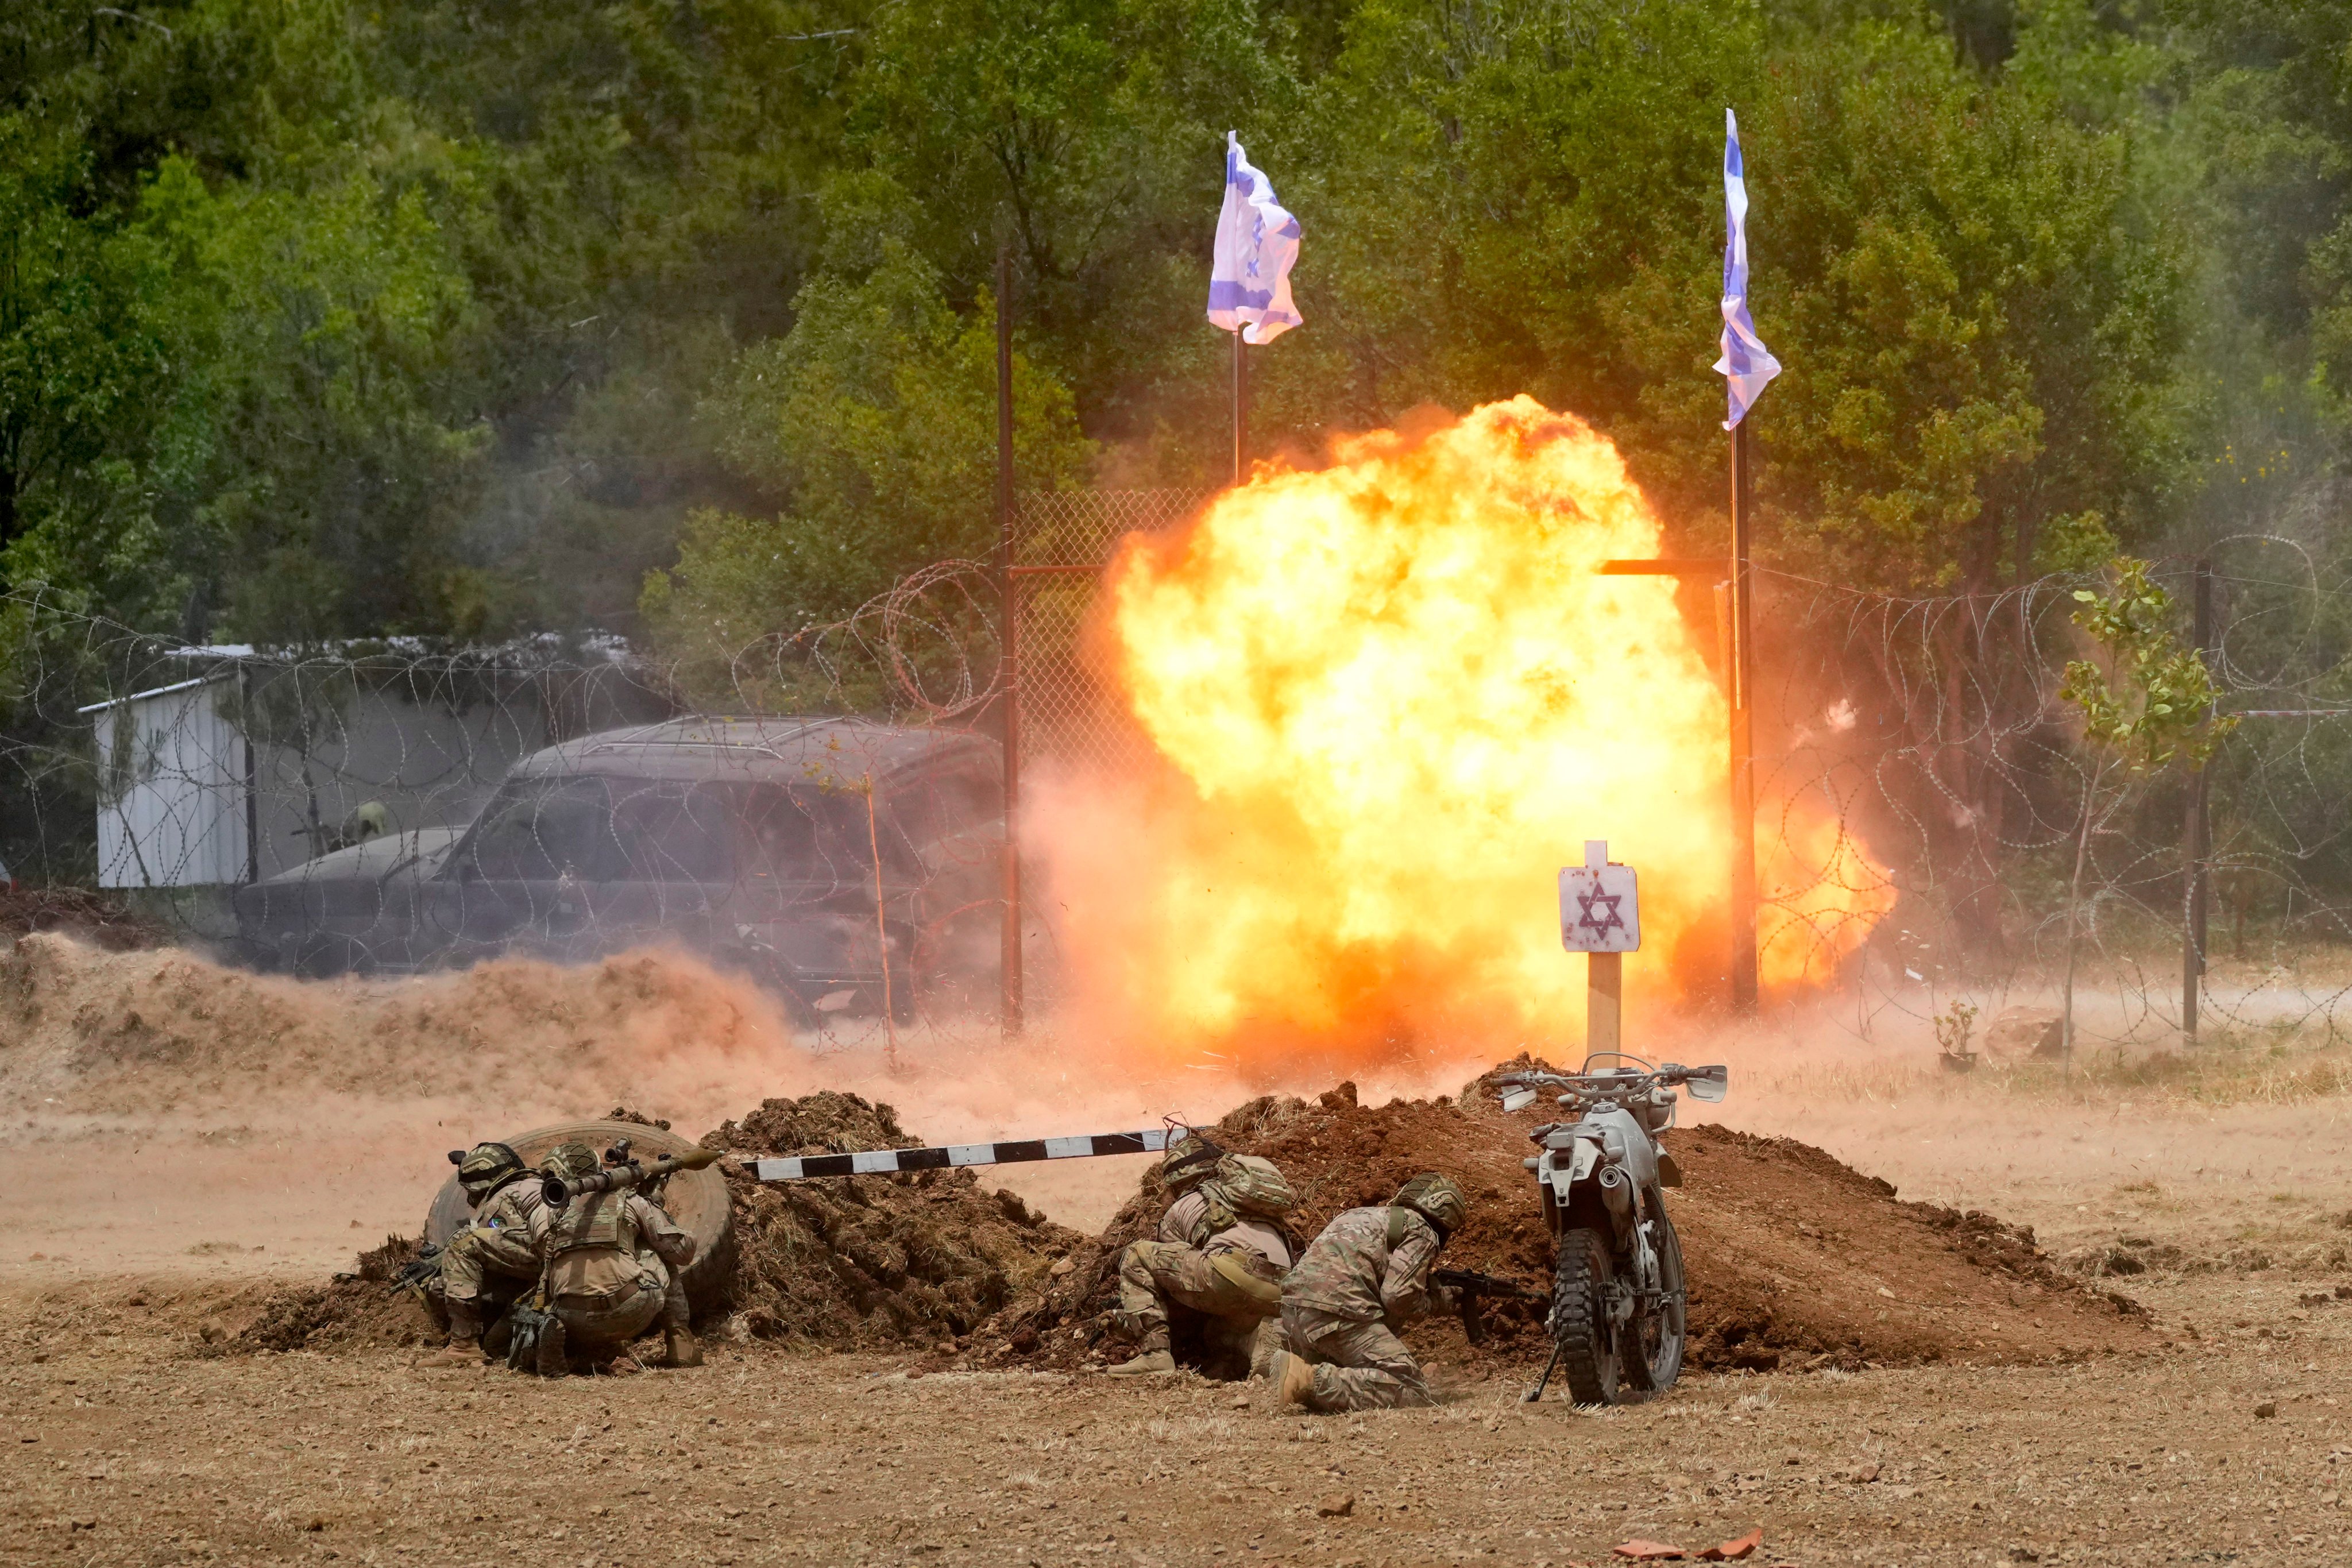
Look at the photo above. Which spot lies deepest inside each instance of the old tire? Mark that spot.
(1580, 1319)
(697, 1200)
(1653, 1341)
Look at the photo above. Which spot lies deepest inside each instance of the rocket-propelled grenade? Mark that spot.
(560, 1190)
(950, 1156)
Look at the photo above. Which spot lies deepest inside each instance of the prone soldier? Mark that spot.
(1220, 1253)
(1359, 1281)
(499, 1240)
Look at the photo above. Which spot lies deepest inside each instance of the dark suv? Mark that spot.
(753, 842)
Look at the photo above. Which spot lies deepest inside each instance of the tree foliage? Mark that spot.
(465, 316)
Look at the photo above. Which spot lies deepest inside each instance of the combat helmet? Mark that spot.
(485, 1168)
(569, 1160)
(1436, 1199)
(1189, 1161)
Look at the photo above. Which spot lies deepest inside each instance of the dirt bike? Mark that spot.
(1617, 1304)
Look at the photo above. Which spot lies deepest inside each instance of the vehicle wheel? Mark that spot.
(1580, 1319)
(1653, 1341)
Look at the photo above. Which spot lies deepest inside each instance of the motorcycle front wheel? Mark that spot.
(1654, 1339)
(1586, 1343)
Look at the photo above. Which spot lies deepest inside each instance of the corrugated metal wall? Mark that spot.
(172, 789)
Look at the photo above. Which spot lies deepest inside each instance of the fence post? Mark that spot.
(2196, 834)
(1008, 655)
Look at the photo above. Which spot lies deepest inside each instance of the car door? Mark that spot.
(518, 880)
(951, 821)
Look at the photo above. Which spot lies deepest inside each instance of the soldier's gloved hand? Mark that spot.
(1444, 1298)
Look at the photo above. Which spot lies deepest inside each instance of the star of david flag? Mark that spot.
(1257, 242)
(1747, 364)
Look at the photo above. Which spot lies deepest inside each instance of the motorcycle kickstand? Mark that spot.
(1532, 1395)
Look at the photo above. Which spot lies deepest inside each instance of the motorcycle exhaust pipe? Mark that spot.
(1617, 1193)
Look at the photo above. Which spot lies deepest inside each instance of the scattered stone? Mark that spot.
(1641, 1550)
(1336, 1505)
(1735, 1550)
(2266, 1410)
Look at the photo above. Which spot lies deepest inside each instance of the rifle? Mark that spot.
(1473, 1287)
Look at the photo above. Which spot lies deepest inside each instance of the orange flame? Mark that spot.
(1399, 696)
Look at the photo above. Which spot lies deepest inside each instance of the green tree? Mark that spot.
(875, 419)
(2147, 702)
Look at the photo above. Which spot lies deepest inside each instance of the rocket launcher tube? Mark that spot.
(560, 1190)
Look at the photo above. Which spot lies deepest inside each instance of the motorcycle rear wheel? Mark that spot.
(1653, 1341)
(1580, 1319)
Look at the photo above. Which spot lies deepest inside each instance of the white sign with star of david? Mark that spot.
(1599, 910)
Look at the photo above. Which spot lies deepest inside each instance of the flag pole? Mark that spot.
(1743, 760)
(1009, 1000)
(1240, 409)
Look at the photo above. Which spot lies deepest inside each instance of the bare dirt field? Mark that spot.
(240, 1141)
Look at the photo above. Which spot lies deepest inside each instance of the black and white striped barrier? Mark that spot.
(883, 1162)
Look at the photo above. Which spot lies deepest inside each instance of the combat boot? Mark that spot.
(1292, 1377)
(684, 1349)
(552, 1360)
(465, 1347)
(1150, 1363)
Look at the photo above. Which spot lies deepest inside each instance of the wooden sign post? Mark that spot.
(1600, 916)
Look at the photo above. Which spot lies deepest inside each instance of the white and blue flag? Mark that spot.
(1258, 241)
(1747, 365)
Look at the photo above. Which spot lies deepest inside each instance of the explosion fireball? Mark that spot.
(1396, 695)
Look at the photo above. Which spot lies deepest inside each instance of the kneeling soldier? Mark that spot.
(1221, 1253)
(1363, 1279)
(613, 1262)
(499, 1240)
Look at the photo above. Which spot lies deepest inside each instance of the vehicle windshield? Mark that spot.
(609, 829)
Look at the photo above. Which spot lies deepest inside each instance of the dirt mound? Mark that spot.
(853, 1261)
(357, 1309)
(1793, 1259)
(81, 913)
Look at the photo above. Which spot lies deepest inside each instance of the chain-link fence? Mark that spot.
(1062, 541)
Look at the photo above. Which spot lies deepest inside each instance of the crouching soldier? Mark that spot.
(1221, 1253)
(499, 1241)
(1359, 1281)
(613, 1262)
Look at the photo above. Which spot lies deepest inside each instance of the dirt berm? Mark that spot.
(1794, 1259)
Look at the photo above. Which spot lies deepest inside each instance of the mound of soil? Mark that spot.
(357, 1309)
(847, 1262)
(99, 919)
(1792, 1257)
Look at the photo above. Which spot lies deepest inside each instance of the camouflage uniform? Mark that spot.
(614, 1263)
(498, 1240)
(1231, 1277)
(1363, 1279)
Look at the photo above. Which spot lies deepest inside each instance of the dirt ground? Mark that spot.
(167, 1172)
(124, 1447)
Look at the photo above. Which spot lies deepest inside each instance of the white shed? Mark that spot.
(175, 797)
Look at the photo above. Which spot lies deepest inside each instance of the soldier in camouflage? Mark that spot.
(614, 1263)
(1210, 1258)
(499, 1240)
(1359, 1281)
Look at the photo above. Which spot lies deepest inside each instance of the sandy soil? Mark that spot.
(164, 1170)
(127, 1448)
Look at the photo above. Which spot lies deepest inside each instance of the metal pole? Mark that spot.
(2197, 835)
(1743, 768)
(1240, 409)
(1009, 655)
